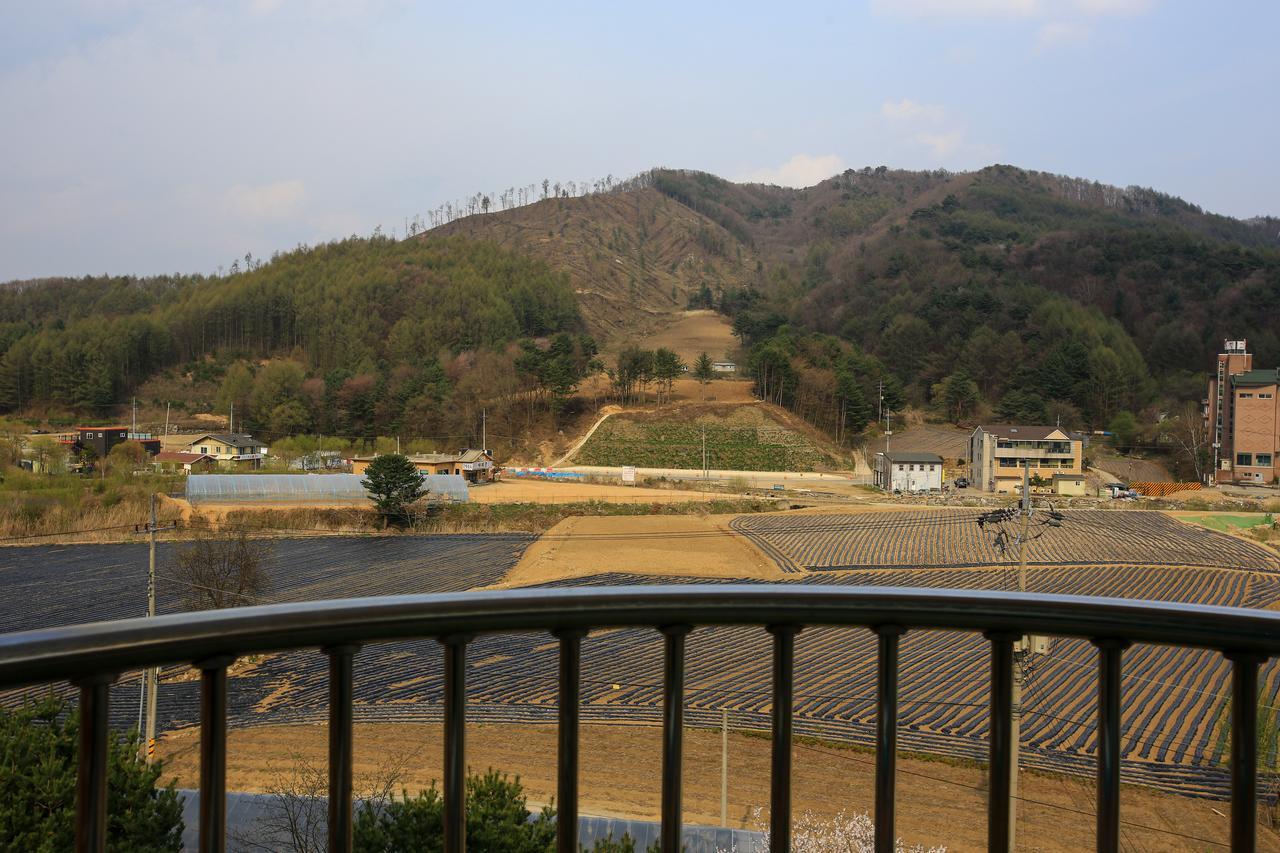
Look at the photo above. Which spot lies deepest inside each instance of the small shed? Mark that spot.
(1069, 484)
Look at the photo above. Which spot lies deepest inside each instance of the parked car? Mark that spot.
(961, 482)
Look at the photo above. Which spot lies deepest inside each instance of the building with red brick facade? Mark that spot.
(1243, 417)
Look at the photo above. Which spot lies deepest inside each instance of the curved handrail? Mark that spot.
(111, 647)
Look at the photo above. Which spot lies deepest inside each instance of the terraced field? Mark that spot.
(1174, 700)
(744, 439)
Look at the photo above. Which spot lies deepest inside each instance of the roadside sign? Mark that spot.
(629, 474)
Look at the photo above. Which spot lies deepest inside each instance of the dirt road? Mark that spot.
(938, 802)
(546, 491)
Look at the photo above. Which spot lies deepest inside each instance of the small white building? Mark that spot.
(908, 471)
(724, 367)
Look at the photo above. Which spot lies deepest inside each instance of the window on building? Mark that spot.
(100, 435)
(1244, 396)
(1244, 458)
(1264, 396)
(1262, 459)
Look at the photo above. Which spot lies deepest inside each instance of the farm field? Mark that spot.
(832, 542)
(936, 802)
(951, 443)
(1174, 700)
(744, 438)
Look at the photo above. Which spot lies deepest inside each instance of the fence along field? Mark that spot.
(1174, 700)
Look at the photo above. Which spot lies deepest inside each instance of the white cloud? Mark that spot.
(266, 203)
(909, 110)
(802, 170)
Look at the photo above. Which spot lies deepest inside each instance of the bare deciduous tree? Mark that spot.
(220, 573)
(296, 816)
(1189, 433)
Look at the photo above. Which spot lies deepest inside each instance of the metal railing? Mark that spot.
(92, 656)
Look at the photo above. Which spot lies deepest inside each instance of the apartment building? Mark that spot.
(998, 453)
(1242, 413)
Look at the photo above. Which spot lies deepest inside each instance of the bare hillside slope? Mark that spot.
(632, 258)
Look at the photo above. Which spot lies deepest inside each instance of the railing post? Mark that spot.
(341, 764)
(1109, 683)
(92, 769)
(567, 733)
(1244, 750)
(672, 734)
(455, 733)
(1001, 745)
(886, 736)
(213, 754)
(784, 669)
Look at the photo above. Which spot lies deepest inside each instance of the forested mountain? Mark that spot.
(1064, 296)
(1029, 294)
(373, 319)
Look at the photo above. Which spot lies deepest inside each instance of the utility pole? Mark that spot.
(134, 404)
(231, 422)
(166, 418)
(706, 475)
(724, 768)
(153, 674)
(484, 430)
(1021, 651)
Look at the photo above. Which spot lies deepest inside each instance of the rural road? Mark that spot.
(755, 479)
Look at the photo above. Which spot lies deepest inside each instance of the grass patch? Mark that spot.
(1224, 523)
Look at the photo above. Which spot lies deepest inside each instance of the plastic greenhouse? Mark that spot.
(305, 488)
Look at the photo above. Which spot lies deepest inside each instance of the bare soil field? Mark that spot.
(545, 491)
(646, 545)
(694, 332)
(1128, 468)
(938, 802)
(951, 443)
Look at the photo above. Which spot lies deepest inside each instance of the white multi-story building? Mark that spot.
(908, 471)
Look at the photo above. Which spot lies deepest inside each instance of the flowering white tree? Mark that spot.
(844, 833)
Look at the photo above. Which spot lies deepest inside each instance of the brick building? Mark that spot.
(1242, 413)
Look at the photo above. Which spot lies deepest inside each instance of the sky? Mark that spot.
(153, 136)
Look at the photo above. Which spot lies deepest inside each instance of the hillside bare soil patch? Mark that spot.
(938, 803)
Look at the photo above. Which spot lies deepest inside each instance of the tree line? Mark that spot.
(371, 320)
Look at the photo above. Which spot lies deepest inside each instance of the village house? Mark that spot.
(168, 460)
(999, 453)
(228, 448)
(100, 439)
(908, 471)
(476, 466)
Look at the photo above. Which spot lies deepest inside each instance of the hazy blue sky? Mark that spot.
(168, 136)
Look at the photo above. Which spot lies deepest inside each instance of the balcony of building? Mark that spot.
(92, 656)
